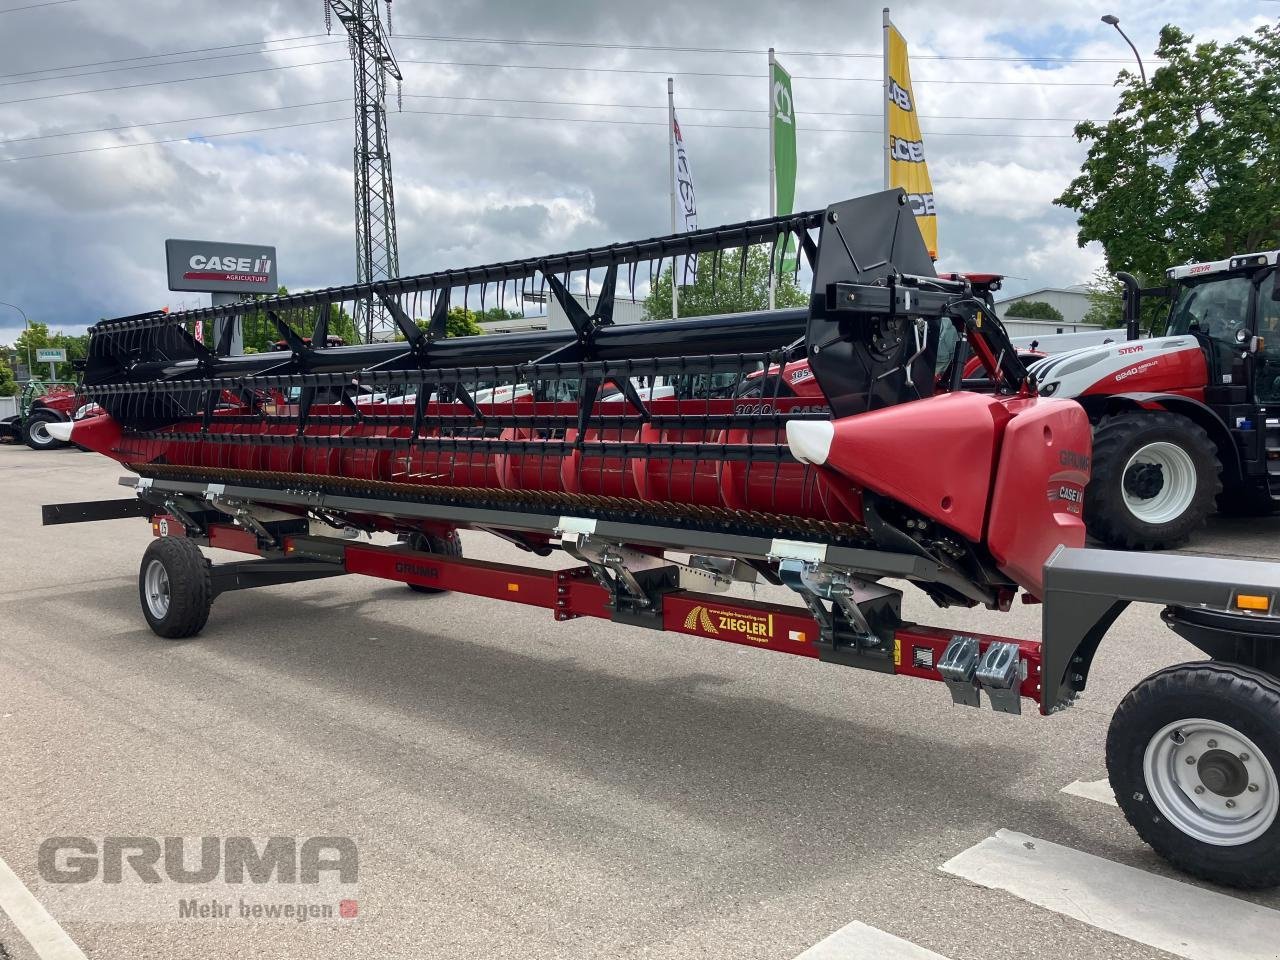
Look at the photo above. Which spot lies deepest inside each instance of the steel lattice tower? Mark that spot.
(377, 252)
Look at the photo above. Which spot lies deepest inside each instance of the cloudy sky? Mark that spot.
(494, 161)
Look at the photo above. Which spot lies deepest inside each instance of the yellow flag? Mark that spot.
(905, 166)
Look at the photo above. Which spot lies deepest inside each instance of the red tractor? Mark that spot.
(40, 404)
(1183, 419)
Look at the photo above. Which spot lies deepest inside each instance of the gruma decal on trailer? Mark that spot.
(675, 460)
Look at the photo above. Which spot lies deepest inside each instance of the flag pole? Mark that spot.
(671, 178)
(884, 98)
(773, 176)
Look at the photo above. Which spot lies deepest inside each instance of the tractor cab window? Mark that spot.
(1216, 309)
(1267, 376)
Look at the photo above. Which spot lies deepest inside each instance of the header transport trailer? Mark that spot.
(890, 475)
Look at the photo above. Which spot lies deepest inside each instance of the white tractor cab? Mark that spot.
(1188, 422)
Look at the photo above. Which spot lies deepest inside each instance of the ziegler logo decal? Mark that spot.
(713, 622)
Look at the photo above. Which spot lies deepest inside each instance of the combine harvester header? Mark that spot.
(828, 450)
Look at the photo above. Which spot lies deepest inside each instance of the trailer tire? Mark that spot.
(175, 588)
(1193, 755)
(448, 546)
(1156, 477)
(35, 432)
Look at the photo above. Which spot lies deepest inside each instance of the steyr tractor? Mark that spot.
(41, 403)
(1185, 419)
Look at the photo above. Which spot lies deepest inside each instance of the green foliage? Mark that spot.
(37, 335)
(720, 291)
(7, 385)
(1186, 169)
(466, 323)
(1033, 310)
(1106, 302)
(260, 334)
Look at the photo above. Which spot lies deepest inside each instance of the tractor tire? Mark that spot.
(1193, 755)
(1156, 476)
(35, 432)
(175, 588)
(450, 546)
(1246, 500)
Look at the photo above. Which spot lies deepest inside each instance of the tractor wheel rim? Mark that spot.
(1211, 782)
(156, 589)
(1174, 495)
(40, 432)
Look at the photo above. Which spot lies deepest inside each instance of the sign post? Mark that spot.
(226, 270)
(52, 356)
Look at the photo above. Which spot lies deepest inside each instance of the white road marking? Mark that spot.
(1099, 790)
(857, 941)
(49, 940)
(1169, 915)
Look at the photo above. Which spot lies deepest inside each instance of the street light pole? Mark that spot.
(27, 326)
(1112, 19)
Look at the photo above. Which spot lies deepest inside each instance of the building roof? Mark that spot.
(1078, 289)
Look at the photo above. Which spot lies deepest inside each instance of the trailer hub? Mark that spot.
(1212, 782)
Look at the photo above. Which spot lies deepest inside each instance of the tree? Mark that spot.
(1186, 169)
(7, 385)
(1106, 302)
(1033, 310)
(37, 335)
(461, 323)
(724, 290)
(260, 334)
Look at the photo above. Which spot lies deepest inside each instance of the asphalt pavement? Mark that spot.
(521, 788)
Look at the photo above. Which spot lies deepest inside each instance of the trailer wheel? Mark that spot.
(1155, 479)
(450, 546)
(1193, 754)
(175, 588)
(36, 435)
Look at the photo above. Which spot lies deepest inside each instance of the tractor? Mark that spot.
(41, 403)
(1187, 422)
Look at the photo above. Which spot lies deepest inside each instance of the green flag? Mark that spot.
(782, 115)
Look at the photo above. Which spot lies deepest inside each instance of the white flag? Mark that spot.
(686, 268)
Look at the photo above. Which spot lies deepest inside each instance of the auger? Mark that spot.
(834, 450)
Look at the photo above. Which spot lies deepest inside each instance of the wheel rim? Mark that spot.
(1159, 482)
(39, 431)
(155, 588)
(1211, 782)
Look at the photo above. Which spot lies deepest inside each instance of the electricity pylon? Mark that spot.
(377, 252)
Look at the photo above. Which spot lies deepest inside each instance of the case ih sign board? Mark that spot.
(221, 267)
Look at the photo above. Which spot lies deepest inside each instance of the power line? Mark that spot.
(687, 108)
(158, 83)
(727, 126)
(154, 56)
(490, 116)
(501, 100)
(659, 48)
(32, 6)
(195, 138)
(170, 63)
(158, 123)
(751, 76)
